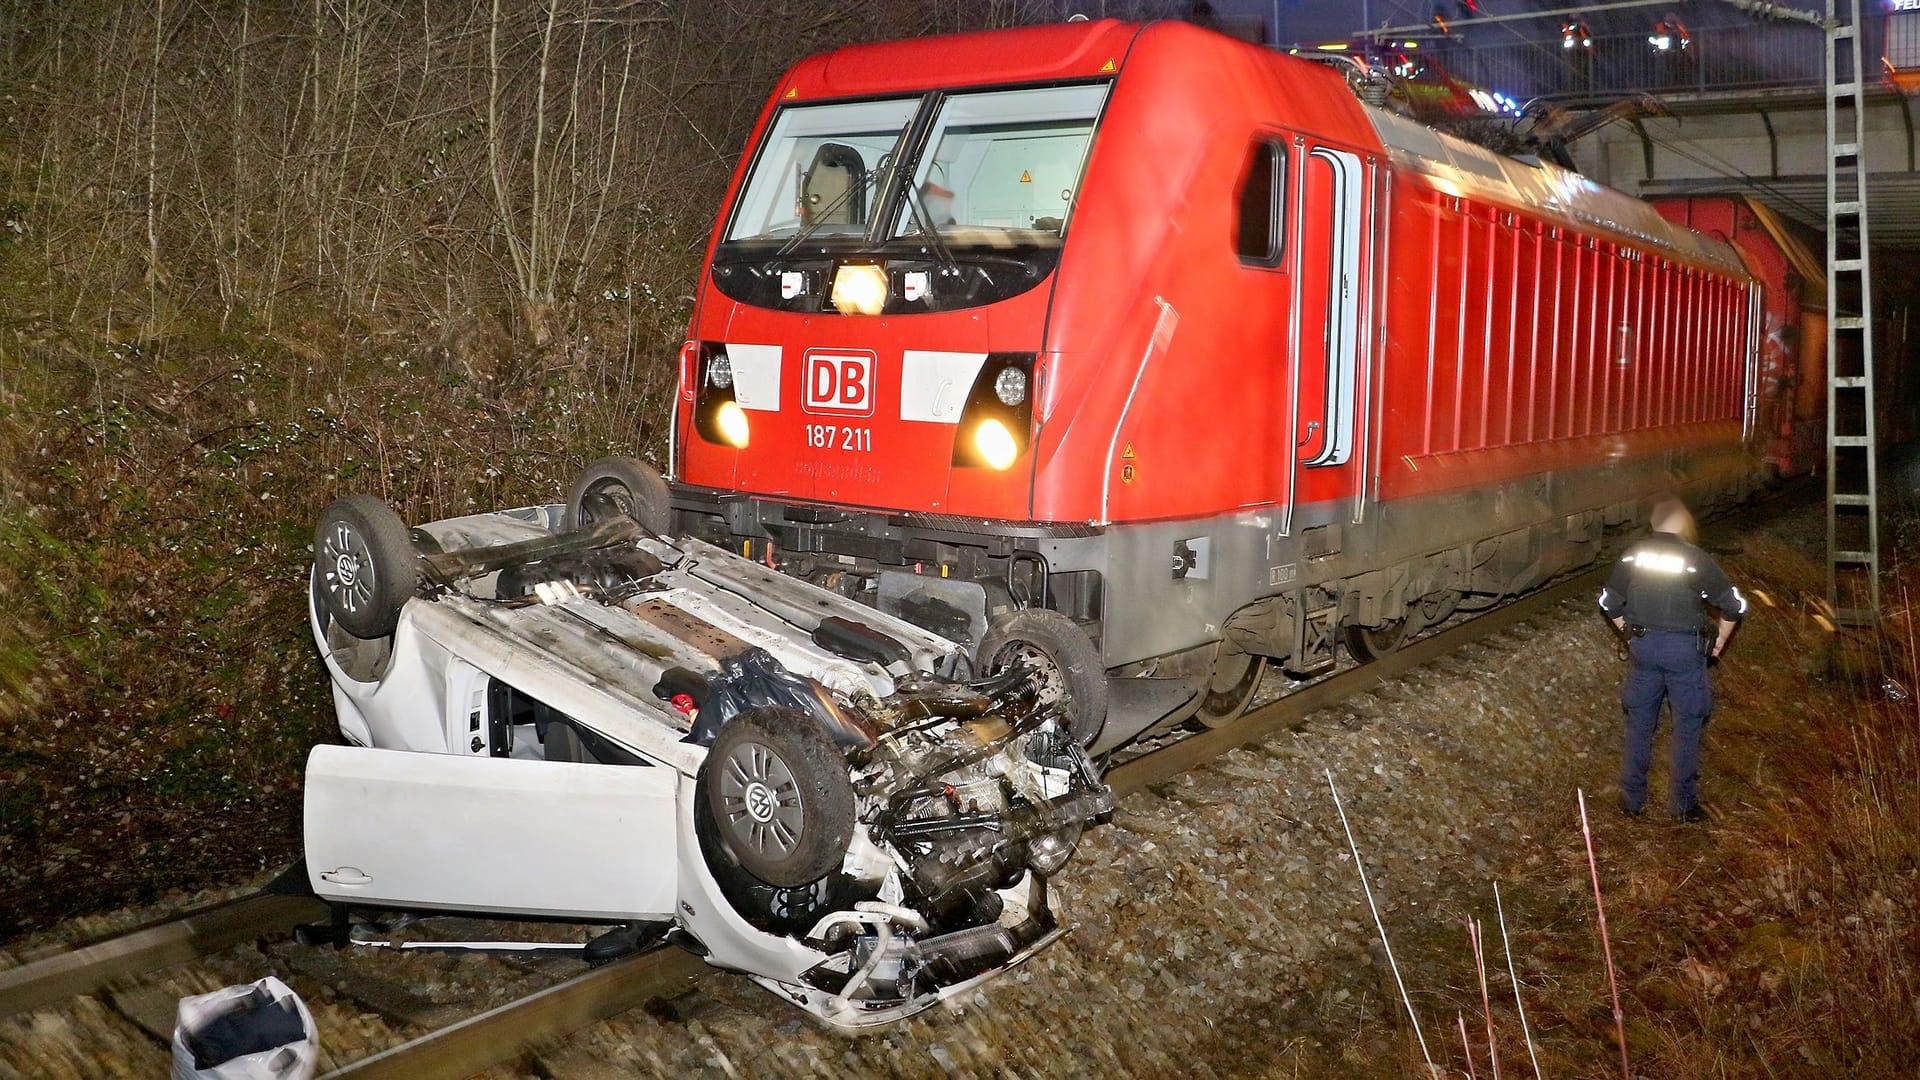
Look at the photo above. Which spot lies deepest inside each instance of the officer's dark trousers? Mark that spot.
(1666, 667)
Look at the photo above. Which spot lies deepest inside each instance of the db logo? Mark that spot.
(839, 382)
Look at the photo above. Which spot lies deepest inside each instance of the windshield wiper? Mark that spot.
(923, 220)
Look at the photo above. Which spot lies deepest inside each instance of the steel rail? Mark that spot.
(157, 945)
(1184, 754)
(501, 1034)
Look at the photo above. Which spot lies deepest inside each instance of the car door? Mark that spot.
(400, 829)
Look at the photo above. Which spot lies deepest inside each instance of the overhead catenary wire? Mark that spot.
(1706, 159)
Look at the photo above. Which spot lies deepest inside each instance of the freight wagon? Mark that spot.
(1162, 358)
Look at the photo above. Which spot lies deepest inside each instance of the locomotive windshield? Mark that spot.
(1001, 167)
(974, 187)
(818, 168)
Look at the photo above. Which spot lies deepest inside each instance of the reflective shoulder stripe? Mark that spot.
(1740, 599)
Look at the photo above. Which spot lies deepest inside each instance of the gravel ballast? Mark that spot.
(1219, 927)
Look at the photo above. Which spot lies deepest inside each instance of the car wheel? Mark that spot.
(771, 908)
(1230, 686)
(619, 485)
(1069, 666)
(364, 565)
(779, 795)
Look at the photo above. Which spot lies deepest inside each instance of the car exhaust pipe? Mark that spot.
(965, 953)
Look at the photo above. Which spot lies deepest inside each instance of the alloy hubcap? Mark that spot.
(760, 801)
(349, 568)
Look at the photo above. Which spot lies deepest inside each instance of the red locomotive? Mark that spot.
(1161, 357)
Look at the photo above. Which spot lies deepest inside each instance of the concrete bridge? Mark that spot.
(1748, 102)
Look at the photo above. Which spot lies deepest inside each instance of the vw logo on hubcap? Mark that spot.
(760, 802)
(347, 567)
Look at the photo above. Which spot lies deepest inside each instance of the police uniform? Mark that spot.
(1659, 586)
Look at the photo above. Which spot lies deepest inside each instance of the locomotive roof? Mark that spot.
(1100, 47)
(1467, 169)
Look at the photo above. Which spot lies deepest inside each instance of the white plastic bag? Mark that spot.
(258, 1019)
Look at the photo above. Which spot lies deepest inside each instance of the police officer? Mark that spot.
(1655, 594)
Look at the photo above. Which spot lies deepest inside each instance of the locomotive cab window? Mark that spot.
(1001, 168)
(1259, 233)
(817, 169)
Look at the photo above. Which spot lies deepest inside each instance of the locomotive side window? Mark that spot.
(1259, 231)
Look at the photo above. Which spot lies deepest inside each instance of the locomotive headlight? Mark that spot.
(1010, 386)
(859, 289)
(720, 371)
(995, 443)
(732, 421)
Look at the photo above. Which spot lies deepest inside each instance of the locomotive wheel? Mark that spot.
(777, 792)
(1068, 664)
(1230, 686)
(1436, 608)
(619, 485)
(364, 566)
(1373, 642)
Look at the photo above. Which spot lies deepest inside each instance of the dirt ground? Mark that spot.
(1220, 929)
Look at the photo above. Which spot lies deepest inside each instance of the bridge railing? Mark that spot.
(1763, 57)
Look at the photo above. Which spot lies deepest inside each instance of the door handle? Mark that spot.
(345, 875)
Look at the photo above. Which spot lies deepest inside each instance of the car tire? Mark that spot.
(771, 908)
(1065, 657)
(631, 486)
(777, 792)
(365, 566)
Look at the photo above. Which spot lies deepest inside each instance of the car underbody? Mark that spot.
(569, 716)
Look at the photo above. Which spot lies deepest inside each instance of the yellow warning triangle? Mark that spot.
(1129, 451)
(793, 92)
(1107, 67)
(1026, 177)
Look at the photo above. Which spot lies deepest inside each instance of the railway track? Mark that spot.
(501, 1034)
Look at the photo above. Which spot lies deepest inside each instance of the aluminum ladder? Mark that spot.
(1853, 478)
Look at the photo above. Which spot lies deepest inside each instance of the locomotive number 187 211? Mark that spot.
(839, 437)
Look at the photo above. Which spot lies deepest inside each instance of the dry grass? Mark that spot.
(253, 257)
(1780, 938)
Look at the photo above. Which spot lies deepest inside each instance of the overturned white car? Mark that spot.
(557, 712)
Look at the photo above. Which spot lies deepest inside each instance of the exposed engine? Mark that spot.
(965, 801)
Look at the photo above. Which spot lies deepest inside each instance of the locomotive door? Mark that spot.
(1326, 333)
